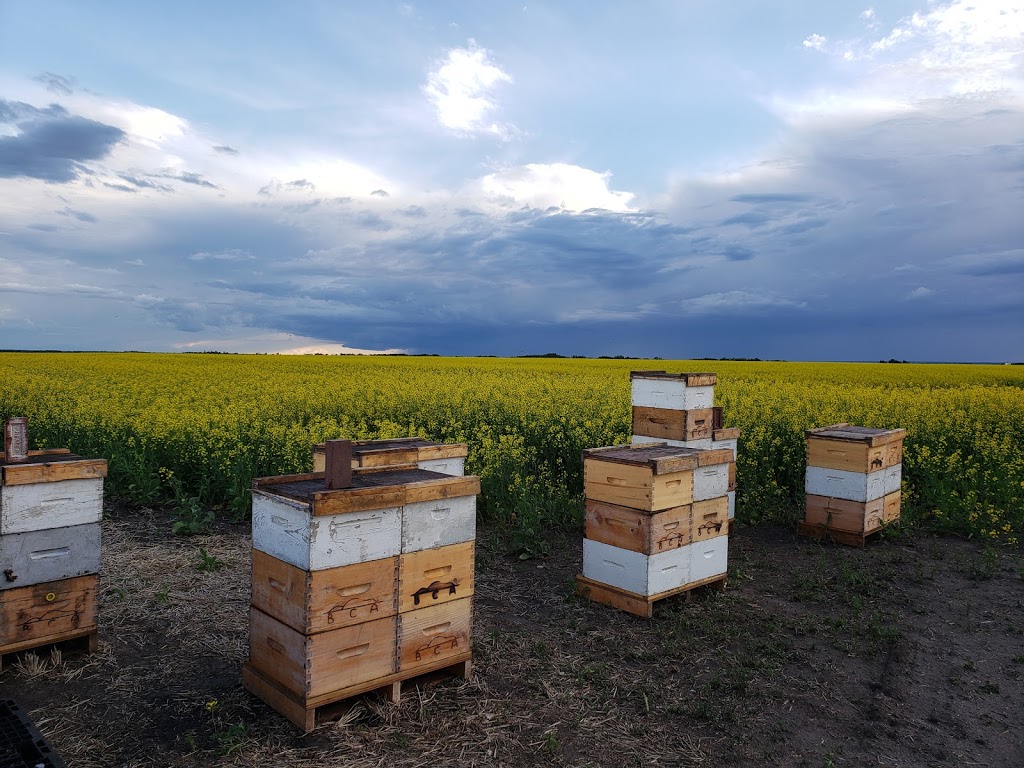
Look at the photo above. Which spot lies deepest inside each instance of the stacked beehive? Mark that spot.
(402, 452)
(361, 587)
(656, 523)
(51, 505)
(679, 410)
(853, 481)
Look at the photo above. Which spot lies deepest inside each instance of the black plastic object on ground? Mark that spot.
(21, 743)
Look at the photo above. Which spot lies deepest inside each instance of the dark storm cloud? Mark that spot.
(51, 144)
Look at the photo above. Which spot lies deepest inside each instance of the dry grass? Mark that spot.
(786, 668)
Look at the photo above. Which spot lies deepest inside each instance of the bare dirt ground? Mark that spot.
(909, 653)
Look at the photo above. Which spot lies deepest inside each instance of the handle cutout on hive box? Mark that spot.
(53, 503)
(440, 513)
(274, 645)
(673, 483)
(437, 628)
(43, 554)
(356, 650)
(670, 526)
(433, 573)
(280, 586)
(278, 520)
(617, 481)
(355, 589)
(614, 564)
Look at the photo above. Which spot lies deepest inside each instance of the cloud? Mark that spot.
(461, 91)
(737, 301)
(62, 86)
(225, 150)
(815, 42)
(50, 144)
(80, 215)
(234, 254)
(1009, 262)
(555, 185)
(921, 292)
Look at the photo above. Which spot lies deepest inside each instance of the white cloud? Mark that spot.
(554, 185)
(461, 91)
(955, 49)
(920, 292)
(816, 42)
(278, 344)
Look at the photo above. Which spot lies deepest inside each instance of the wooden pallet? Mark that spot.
(640, 605)
(84, 641)
(306, 713)
(852, 538)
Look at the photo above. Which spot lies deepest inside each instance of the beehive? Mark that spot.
(51, 505)
(656, 522)
(405, 452)
(356, 589)
(852, 482)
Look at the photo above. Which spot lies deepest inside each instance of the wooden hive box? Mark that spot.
(406, 452)
(728, 437)
(653, 576)
(47, 612)
(646, 532)
(653, 476)
(854, 449)
(296, 519)
(677, 391)
(51, 489)
(863, 517)
(672, 424)
(49, 554)
(852, 486)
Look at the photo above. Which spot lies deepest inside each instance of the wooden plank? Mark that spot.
(710, 482)
(438, 523)
(842, 484)
(44, 613)
(639, 605)
(891, 507)
(870, 436)
(636, 572)
(324, 663)
(436, 576)
(636, 530)
(726, 433)
(54, 471)
(260, 482)
(732, 476)
(710, 519)
(686, 379)
(453, 465)
(373, 497)
(304, 713)
(319, 601)
(338, 465)
(849, 538)
(434, 635)
(35, 557)
(843, 514)
(37, 506)
(82, 640)
(636, 486)
(671, 424)
(287, 531)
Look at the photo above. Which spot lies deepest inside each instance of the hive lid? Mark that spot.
(687, 379)
(660, 458)
(375, 490)
(50, 466)
(402, 450)
(846, 432)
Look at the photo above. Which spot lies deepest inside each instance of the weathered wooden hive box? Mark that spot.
(359, 588)
(656, 522)
(853, 480)
(51, 505)
(406, 452)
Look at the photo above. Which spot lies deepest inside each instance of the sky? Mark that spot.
(797, 179)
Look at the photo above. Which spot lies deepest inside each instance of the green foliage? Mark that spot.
(216, 421)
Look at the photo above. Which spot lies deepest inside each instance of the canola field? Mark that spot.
(193, 430)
